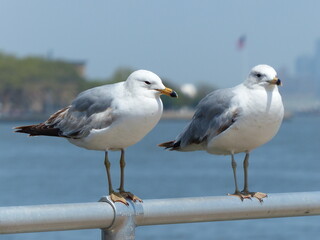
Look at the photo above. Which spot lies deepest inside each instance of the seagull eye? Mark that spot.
(258, 75)
(147, 82)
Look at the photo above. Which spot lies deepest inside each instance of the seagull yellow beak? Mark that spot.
(275, 81)
(168, 92)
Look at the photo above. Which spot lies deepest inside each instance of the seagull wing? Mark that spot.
(214, 114)
(93, 104)
(76, 120)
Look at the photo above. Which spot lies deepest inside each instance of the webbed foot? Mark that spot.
(117, 197)
(130, 196)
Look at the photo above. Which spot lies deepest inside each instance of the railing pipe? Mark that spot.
(118, 220)
(206, 209)
(55, 217)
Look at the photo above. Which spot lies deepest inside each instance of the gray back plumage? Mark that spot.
(212, 117)
(93, 100)
(77, 122)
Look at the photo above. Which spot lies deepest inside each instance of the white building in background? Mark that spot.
(189, 90)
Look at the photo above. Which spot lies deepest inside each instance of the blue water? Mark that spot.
(44, 170)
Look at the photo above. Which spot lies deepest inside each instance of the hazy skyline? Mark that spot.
(184, 41)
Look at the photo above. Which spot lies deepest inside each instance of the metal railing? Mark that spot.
(119, 221)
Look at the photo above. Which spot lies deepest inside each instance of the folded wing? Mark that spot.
(214, 114)
(75, 121)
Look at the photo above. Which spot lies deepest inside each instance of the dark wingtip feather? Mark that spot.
(38, 129)
(24, 129)
(171, 145)
(47, 128)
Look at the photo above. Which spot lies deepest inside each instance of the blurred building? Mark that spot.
(80, 67)
(307, 68)
(301, 91)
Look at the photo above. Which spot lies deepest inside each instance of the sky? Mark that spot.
(183, 41)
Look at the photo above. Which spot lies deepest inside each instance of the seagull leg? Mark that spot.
(236, 193)
(115, 197)
(245, 190)
(123, 193)
(245, 169)
(122, 166)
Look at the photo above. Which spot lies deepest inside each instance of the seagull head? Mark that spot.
(147, 83)
(262, 76)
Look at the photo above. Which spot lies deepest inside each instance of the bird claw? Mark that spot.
(240, 195)
(130, 196)
(248, 195)
(122, 195)
(117, 197)
(258, 195)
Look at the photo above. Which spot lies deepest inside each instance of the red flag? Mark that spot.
(241, 42)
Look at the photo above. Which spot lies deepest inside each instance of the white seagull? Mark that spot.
(110, 117)
(235, 120)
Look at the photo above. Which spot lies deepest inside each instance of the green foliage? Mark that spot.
(29, 84)
(121, 74)
(15, 72)
(36, 85)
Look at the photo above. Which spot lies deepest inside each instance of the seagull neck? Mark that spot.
(249, 85)
(129, 88)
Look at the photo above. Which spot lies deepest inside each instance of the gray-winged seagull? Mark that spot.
(235, 120)
(110, 117)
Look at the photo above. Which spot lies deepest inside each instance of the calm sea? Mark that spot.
(44, 170)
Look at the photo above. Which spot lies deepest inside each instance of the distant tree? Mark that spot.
(34, 84)
(37, 85)
(121, 74)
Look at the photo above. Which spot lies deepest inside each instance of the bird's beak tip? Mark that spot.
(168, 92)
(174, 94)
(276, 81)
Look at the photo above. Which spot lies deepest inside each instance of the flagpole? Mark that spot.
(241, 46)
(244, 63)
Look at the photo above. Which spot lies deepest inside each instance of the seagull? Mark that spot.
(109, 118)
(235, 120)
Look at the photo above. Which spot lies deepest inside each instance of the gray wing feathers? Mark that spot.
(213, 115)
(93, 100)
(91, 104)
